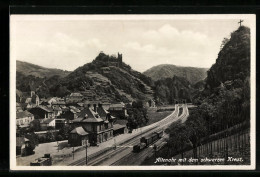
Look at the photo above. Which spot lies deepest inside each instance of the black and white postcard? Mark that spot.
(132, 92)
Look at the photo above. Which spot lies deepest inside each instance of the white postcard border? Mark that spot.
(12, 121)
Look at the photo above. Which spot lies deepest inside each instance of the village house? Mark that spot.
(19, 107)
(75, 97)
(59, 101)
(98, 129)
(42, 112)
(57, 110)
(76, 105)
(48, 124)
(24, 118)
(118, 110)
(44, 102)
(60, 123)
(32, 101)
(78, 137)
(69, 114)
(51, 100)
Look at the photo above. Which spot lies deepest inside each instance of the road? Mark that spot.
(123, 151)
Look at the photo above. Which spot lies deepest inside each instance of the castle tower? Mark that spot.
(120, 60)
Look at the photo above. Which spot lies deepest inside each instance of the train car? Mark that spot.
(139, 147)
(159, 133)
(148, 140)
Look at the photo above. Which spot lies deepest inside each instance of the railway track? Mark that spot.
(137, 158)
(106, 154)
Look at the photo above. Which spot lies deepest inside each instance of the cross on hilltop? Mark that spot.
(240, 21)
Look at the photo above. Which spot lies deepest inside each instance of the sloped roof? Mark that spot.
(79, 131)
(92, 102)
(28, 100)
(76, 94)
(102, 112)
(118, 126)
(74, 109)
(116, 105)
(56, 108)
(88, 115)
(23, 114)
(45, 108)
(121, 121)
(50, 98)
(47, 121)
(59, 102)
(80, 104)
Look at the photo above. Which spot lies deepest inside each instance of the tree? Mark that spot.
(58, 138)
(197, 129)
(34, 141)
(35, 125)
(50, 136)
(224, 42)
(178, 139)
(137, 115)
(64, 131)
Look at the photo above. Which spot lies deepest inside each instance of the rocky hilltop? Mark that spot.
(106, 78)
(232, 66)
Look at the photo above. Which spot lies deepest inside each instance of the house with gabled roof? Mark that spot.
(118, 110)
(48, 123)
(24, 118)
(97, 122)
(57, 110)
(42, 112)
(74, 97)
(78, 137)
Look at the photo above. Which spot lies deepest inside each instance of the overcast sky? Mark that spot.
(67, 42)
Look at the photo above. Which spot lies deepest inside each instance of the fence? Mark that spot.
(234, 143)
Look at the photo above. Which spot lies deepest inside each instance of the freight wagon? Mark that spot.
(147, 140)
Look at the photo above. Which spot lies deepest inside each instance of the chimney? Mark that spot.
(95, 107)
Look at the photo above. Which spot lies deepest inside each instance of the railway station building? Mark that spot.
(96, 122)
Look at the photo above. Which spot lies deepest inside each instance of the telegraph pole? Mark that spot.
(115, 142)
(73, 152)
(86, 152)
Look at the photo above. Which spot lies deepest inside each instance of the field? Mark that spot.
(155, 116)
